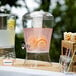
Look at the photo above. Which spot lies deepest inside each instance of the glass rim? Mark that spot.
(4, 14)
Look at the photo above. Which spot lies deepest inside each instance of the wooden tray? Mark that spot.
(33, 64)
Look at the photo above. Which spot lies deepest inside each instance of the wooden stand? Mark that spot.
(72, 46)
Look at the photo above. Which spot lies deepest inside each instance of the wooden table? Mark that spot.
(33, 64)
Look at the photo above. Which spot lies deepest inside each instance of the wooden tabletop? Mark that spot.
(33, 64)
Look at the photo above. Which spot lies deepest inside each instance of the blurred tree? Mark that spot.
(10, 2)
(45, 4)
(65, 20)
(20, 53)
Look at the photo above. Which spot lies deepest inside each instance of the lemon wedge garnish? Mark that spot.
(10, 24)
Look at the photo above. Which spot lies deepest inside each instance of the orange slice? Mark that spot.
(68, 37)
(32, 41)
(75, 37)
(42, 42)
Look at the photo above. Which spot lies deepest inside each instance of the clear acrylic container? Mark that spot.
(7, 38)
(38, 27)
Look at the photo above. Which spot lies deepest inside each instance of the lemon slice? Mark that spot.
(10, 24)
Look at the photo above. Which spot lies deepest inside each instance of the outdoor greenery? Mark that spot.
(64, 20)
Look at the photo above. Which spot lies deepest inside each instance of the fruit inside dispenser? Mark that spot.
(37, 39)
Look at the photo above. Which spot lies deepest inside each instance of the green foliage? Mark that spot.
(44, 5)
(20, 53)
(67, 23)
(10, 2)
(65, 20)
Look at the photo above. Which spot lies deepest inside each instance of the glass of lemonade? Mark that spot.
(38, 29)
(7, 37)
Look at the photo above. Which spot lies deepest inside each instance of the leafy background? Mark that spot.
(64, 20)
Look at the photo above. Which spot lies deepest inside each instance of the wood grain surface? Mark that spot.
(33, 64)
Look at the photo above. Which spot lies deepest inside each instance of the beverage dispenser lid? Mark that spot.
(37, 17)
(40, 13)
(35, 14)
(44, 15)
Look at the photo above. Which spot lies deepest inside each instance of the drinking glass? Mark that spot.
(64, 62)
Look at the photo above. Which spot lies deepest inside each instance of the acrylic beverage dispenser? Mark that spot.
(38, 29)
(7, 38)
